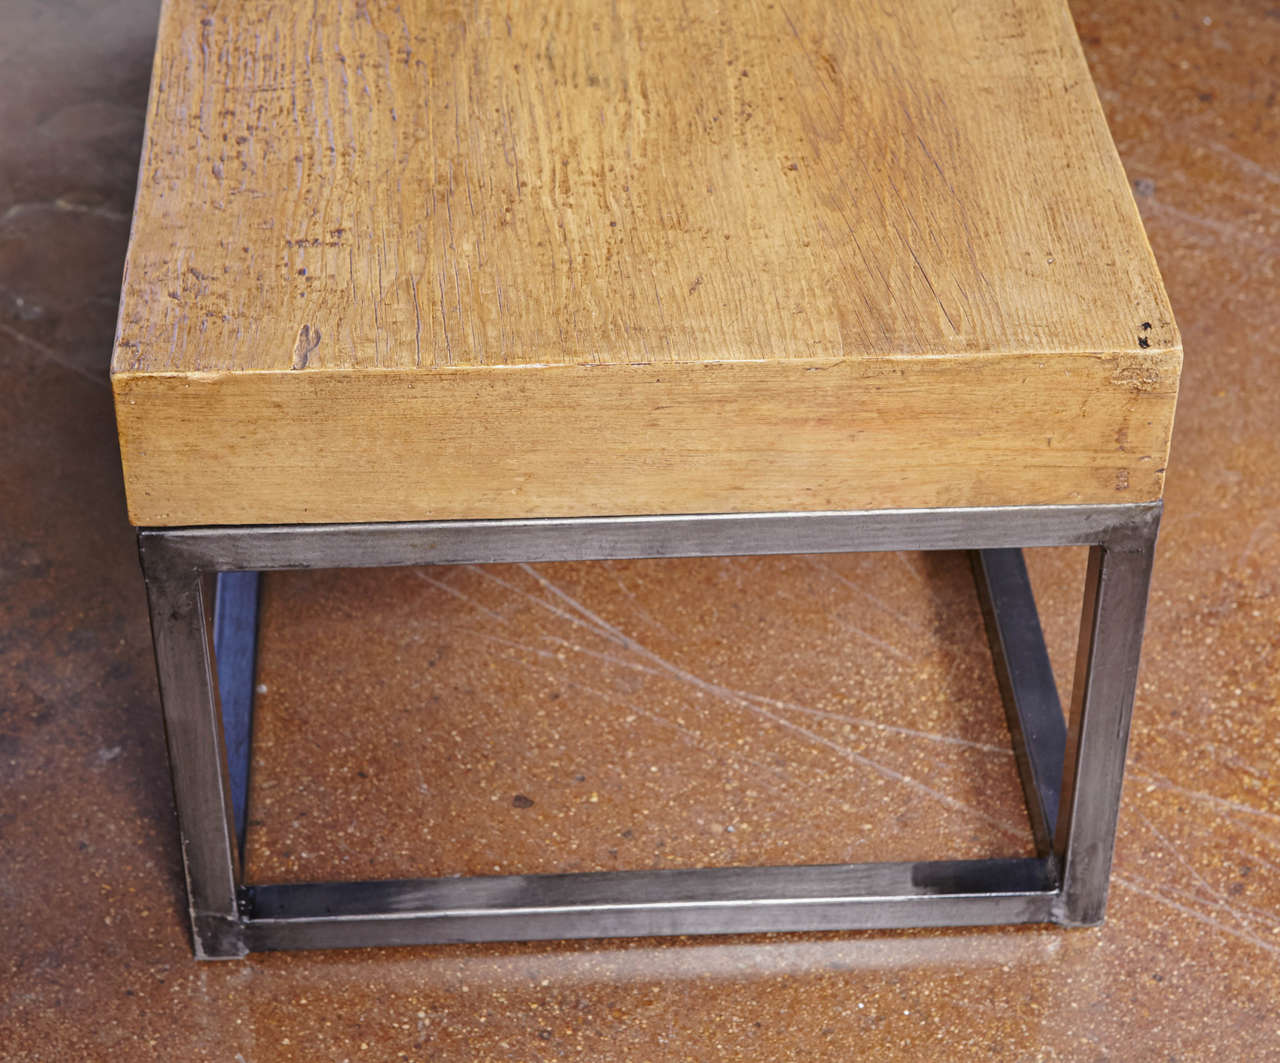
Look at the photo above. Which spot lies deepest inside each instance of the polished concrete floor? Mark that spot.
(646, 714)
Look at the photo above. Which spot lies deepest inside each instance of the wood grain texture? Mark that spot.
(405, 260)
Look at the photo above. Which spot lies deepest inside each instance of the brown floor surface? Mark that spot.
(647, 714)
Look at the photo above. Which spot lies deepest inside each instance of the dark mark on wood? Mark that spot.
(308, 341)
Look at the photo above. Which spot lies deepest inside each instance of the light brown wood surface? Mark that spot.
(414, 260)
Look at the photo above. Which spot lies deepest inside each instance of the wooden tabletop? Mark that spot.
(406, 260)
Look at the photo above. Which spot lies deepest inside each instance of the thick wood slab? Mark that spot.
(416, 260)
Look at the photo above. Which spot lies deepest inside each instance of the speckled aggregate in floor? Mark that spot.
(639, 714)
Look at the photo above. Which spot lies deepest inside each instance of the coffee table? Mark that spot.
(410, 283)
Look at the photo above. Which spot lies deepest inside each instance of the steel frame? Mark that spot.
(1072, 770)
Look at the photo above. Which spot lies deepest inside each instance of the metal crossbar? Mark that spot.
(1072, 770)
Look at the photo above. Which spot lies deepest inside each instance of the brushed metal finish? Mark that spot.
(235, 642)
(1032, 707)
(1067, 885)
(649, 903)
(1106, 679)
(266, 547)
(181, 622)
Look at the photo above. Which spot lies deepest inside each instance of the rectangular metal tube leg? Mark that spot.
(185, 573)
(1106, 678)
(235, 644)
(180, 627)
(1030, 695)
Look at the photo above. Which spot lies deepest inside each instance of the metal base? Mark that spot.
(1071, 772)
